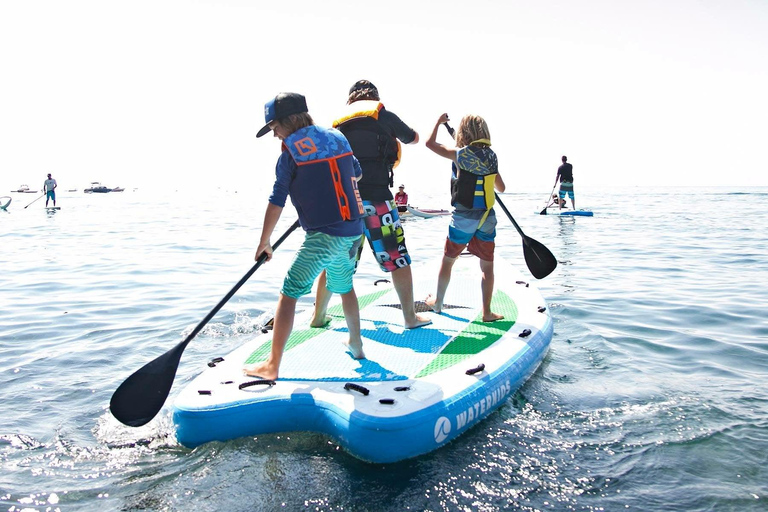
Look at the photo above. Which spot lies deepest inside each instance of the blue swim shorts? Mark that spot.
(318, 252)
(566, 187)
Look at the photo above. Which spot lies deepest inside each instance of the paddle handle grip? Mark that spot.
(450, 130)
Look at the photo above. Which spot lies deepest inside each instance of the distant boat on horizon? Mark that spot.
(118, 189)
(24, 189)
(97, 187)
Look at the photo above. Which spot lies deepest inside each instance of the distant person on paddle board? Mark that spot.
(49, 187)
(473, 222)
(319, 172)
(401, 199)
(565, 175)
(375, 134)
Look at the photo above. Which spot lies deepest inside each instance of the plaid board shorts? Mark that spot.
(318, 252)
(465, 231)
(385, 235)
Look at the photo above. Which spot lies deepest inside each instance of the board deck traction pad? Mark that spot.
(393, 352)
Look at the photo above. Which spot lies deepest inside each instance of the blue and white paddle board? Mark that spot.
(565, 212)
(417, 390)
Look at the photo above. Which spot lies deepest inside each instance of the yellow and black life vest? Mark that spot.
(473, 184)
(369, 140)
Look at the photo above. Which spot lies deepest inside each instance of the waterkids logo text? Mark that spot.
(467, 417)
(479, 408)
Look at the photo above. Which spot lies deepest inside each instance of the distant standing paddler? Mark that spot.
(565, 175)
(49, 187)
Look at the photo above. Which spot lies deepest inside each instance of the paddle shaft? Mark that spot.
(549, 200)
(259, 262)
(30, 204)
(503, 207)
(240, 283)
(450, 130)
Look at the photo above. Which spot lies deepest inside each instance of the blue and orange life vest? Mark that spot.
(324, 190)
(360, 125)
(472, 186)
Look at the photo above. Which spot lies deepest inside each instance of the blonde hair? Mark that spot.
(472, 128)
(296, 122)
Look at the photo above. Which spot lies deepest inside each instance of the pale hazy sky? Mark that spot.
(162, 92)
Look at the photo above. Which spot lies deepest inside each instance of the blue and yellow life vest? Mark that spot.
(360, 125)
(472, 186)
(324, 190)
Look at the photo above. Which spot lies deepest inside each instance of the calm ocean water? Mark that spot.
(653, 395)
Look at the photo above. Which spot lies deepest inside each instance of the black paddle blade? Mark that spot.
(141, 396)
(540, 260)
(544, 211)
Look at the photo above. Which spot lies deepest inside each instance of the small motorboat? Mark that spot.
(24, 189)
(97, 188)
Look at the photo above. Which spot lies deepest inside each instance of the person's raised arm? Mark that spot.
(435, 146)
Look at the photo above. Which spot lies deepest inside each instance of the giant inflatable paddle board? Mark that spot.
(417, 390)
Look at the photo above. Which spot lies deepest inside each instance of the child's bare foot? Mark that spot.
(492, 317)
(431, 301)
(419, 321)
(320, 322)
(356, 347)
(263, 370)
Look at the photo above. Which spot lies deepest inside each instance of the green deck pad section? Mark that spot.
(298, 337)
(477, 336)
(363, 302)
